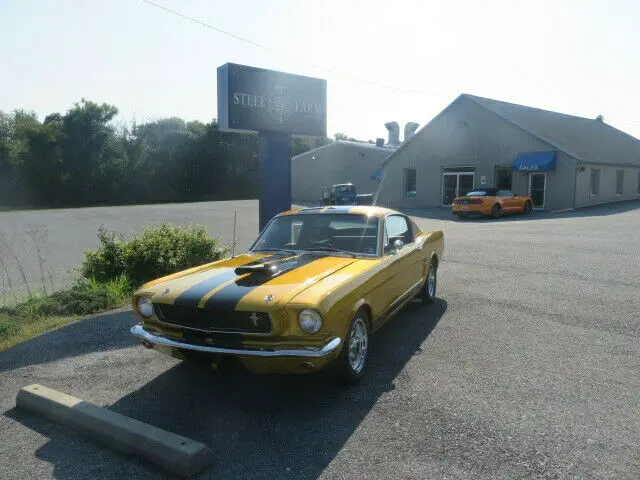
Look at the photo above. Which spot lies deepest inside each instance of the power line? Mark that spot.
(290, 57)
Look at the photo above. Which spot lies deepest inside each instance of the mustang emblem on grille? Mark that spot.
(253, 320)
(269, 298)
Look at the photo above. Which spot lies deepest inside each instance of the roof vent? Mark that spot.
(394, 133)
(379, 142)
(410, 130)
(600, 118)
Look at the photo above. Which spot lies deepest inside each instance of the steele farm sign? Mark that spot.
(256, 100)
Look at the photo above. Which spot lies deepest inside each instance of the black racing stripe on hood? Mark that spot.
(191, 297)
(229, 296)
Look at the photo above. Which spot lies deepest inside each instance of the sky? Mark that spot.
(415, 57)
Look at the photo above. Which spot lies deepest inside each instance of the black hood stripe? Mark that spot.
(191, 297)
(229, 296)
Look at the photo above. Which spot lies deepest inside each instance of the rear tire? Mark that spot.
(430, 286)
(496, 211)
(461, 215)
(352, 361)
(527, 208)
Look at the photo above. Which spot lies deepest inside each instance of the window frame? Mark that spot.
(410, 230)
(406, 181)
(595, 171)
(619, 182)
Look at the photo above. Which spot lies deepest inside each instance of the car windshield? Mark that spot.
(482, 193)
(329, 232)
(344, 189)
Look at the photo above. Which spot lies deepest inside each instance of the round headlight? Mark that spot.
(145, 307)
(310, 321)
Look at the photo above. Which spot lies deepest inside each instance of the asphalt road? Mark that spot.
(528, 366)
(66, 233)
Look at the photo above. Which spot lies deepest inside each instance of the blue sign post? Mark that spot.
(275, 105)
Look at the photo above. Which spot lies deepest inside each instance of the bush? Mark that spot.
(155, 252)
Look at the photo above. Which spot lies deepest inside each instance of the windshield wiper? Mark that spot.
(329, 249)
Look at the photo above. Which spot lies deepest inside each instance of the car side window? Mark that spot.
(397, 228)
(505, 193)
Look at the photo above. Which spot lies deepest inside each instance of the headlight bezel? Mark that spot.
(144, 306)
(315, 317)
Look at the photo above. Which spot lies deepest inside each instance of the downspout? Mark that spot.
(575, 182)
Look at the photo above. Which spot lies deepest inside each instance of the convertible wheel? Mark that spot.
(353, 357)
(429, 289)
(496, 211)
(527, 208)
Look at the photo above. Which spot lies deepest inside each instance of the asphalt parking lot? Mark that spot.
(528, 366)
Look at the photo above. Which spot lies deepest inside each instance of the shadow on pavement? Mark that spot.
(259, 427)
(95, 334)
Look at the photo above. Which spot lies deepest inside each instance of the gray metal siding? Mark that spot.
(607, 191)
(466, 134)
(335, 163)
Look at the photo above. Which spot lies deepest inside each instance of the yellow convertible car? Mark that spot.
(308, 293)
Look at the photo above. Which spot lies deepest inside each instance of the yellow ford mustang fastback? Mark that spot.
(309, 292)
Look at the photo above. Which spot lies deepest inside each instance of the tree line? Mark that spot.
(82, 158)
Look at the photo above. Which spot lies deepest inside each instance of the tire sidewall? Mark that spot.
(428, 299)
(345, 371)
(496, 211)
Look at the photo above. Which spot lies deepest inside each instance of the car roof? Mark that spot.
(369, 210)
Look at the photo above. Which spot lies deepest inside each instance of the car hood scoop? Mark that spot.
(275, 268)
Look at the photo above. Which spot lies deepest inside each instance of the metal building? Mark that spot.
(561, 160)
(343, 162)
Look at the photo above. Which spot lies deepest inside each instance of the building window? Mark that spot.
(595, 181)
(619, 182)
(410, 182)
(503, 177)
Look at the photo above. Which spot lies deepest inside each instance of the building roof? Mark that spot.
(585, 139)
(388, 149)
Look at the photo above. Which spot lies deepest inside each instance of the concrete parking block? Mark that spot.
(178, 455)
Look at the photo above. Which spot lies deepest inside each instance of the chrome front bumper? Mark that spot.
(325, 350)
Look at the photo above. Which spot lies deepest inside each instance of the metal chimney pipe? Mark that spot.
(394, 133)
(410, 130)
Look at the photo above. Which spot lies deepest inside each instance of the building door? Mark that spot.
(537, 189)
(503, 178)
(455, 184)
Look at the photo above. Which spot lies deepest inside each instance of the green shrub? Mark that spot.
(153, 253)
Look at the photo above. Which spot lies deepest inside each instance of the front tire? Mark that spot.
(496, 211)
(352, 360)
(527, 208)
(430, 286)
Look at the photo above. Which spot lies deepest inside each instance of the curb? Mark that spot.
(174, 453)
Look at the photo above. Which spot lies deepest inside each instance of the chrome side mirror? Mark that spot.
(398, 244)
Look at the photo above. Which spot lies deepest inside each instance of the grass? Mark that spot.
(41, 313)
(15, 330)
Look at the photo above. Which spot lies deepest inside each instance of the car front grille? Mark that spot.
(208, 320)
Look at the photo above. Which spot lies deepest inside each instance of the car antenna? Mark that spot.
(233, 243)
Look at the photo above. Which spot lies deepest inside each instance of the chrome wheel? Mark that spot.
(358, 343)
(431, 282)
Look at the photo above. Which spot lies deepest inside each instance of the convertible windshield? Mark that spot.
(489, 192)
(323, 232)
